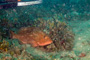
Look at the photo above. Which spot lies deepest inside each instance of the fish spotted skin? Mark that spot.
(33, 36)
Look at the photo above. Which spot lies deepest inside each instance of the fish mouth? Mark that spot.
(44, 44)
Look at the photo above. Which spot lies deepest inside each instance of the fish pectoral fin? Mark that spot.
(34, 44)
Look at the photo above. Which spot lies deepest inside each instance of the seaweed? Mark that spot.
(17, 52)
(4, 28)
(4, 46)
(58, 31)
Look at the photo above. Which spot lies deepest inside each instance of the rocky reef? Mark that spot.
(58, 31)
(11, 52)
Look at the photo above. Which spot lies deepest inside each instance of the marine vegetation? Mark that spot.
(16, 52)
(4, 46)
(46, 34)
(10, 51)
(58, 31)
(4, 28)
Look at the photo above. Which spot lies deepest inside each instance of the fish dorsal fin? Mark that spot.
(12, 34)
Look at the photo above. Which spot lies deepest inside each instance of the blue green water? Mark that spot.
(75, 13)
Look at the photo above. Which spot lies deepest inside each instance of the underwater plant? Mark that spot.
(4, 46)
(16, 53)
(4, 28)
(59, 32)
(0, 36)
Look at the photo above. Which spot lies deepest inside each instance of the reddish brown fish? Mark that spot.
(33, 36)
